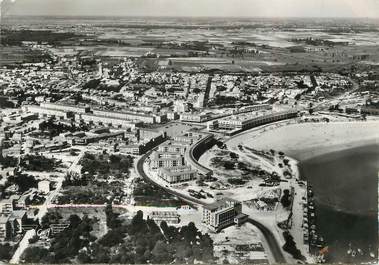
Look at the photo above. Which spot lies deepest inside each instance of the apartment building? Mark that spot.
(172, 147)
(167, 160)
(177, 174)
(169, 217)
(242, 122)
(221, 214)
(194, 117)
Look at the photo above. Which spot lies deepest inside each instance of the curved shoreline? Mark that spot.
(303, 141)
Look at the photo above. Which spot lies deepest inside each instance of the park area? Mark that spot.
(102, 179)
(124, 241)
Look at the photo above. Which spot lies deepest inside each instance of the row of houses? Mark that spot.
(87, 115)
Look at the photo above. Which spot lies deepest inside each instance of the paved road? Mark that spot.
(53, 194)
(273, 244)
(139, 169)
(24, 243)
(271, 241)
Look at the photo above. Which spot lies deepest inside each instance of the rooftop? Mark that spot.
(221, 204)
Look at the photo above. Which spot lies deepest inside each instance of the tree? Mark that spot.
(182, 251)
(285, 200)
(189, 232)
(138, 225)
(92, 84)
(6, 251)
(290, 246)
(164, 227)
(35, 254)
(23, 181)
(50, 218)
(112, 221)
(114, 159)
(83, 257)
(74, 220)
(147, 255)
(228, 165)
(160, 253)
(233, 155)
(112, 238)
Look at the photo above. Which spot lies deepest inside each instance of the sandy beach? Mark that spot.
(326, 153)
(306, 140)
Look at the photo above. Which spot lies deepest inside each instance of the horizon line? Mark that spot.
(189, 16)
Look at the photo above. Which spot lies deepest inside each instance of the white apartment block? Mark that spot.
(177, 174)
(166, 160)
(173, 148)
(221, 214)
(169, 217)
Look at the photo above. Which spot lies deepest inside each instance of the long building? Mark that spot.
(95, 138)
(202, 143)
(107, 121)
(167, 160)
(251, 108)
(172, 147)
(125, 115)
(169, 217)
(65, 107)
(46, 112)
(177, 174)
(194, 117)
(66, 111)
(239, 122)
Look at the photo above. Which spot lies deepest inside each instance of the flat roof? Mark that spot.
(220, 203)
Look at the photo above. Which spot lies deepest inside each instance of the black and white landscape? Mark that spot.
(189, 132)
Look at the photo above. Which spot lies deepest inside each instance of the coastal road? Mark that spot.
(140, 171)
(270, 238)
(271, 241)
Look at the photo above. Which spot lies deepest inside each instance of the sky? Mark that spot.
(198, 8)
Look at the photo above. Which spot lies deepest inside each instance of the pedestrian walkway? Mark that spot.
(24, 243)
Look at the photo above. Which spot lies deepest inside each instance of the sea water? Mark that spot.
(345, 184)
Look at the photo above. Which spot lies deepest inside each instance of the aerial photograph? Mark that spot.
(189, 131)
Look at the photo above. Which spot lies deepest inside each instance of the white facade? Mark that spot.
(177, 174)
(221, 213)
(44, 186)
